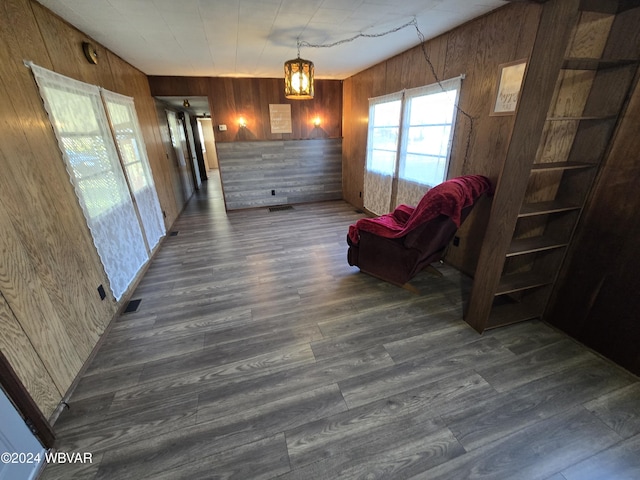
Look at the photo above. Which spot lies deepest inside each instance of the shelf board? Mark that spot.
(517, 282)
(543, 208)
(524, 246)
(584, 118)
(510, 313)
(540, 167)
(575, 63)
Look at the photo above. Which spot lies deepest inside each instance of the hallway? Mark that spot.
(258, 352)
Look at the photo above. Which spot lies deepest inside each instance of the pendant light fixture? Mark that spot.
(298, 78)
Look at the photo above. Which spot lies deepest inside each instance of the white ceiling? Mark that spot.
(253, 38)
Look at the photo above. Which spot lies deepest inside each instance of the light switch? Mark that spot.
(222, 128)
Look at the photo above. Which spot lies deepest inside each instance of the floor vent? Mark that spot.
(132, 306)
(174, 233)
(280, 208)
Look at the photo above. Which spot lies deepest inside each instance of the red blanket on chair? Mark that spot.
(448, 198)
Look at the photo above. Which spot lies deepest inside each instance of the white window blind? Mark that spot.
(124, 122)
(80, 123)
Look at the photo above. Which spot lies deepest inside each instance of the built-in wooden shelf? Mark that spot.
(509, 313)
(540, 167)
(523, 246)
(595, 63)
(552, 159)
(544, 208)
(516, 282)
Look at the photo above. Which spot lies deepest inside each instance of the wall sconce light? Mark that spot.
(242, 123)
(298, 79)
(317, 121)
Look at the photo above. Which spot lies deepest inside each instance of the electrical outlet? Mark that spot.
(273, 192)
(101, 292)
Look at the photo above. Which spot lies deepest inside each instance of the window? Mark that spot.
(384, 130)
(427, 134)
(87, 145)
(81, 125)
(133, 154)
(409, 139)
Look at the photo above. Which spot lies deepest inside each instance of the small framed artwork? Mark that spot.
(508, 87)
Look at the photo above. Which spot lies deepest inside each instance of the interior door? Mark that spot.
(179, 141)
(21, 452)
(188, 145)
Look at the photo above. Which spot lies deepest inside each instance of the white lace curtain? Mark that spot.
(81, 125)
(133, 154)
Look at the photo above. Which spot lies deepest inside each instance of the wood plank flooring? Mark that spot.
(257, 352)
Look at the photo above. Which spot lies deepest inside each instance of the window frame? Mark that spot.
(445, 87)
(407, 98)
(373, 103)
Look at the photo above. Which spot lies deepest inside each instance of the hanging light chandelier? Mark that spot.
(298, 78)
(298, 73)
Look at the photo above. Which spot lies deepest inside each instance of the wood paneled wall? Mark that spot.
(475, 49)
(51, 316)
(258, 174)
(232, 98)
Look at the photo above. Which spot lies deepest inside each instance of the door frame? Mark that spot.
(190, 154)
(24, 403)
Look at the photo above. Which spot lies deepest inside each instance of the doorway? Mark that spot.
(199, 133)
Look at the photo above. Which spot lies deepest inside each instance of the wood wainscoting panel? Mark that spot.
(259, 174)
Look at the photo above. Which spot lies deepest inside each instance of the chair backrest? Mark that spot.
(432, 239)
(448, 198)
(434, 235)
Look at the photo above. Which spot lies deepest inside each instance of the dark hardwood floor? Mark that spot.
(257, 352)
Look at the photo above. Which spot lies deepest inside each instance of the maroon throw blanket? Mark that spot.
(448, 198)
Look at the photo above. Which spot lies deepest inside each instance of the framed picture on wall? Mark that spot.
(508, 87)
(280, 117)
